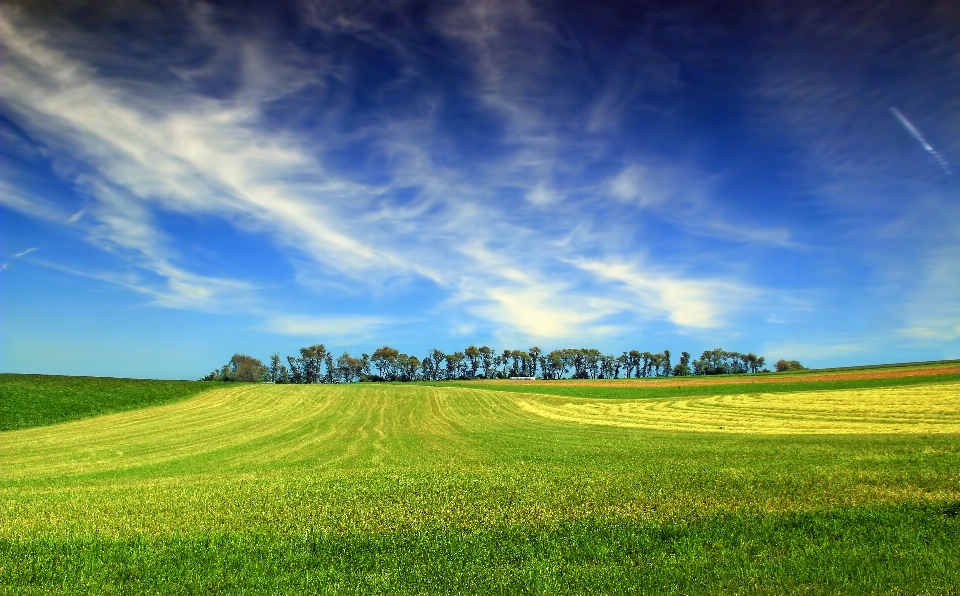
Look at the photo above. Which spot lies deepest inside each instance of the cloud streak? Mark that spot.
(164, 151)
(19, 255)
(492, 166)
(692, 303)
(923, 142)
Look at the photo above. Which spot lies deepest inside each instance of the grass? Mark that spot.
(37, 400)
(441, 489)
(675, 388)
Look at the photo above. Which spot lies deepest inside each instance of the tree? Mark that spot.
(720, 362)
(737, 363)
(711, 362)
(591, 362)
(437, 357)
(505, 362)
(316, 365)
(310, 363)
(534, 356)
(385, 360)
(348, 368)
(788, 365)
(647, 361)
(682, 369)
(655, 362)
(365, 366)
(577, 359)
(411, 366)
(245, 369)
(553, 365)
(216, 375)
(473, 360)
(635, 358)
(754, 363)
(296, 370)
(609, 367)
(331, 375)
(520, 360)
(275, 367)
(625, 363)
(455, 365)
(429, 372)
(487, 357)
(462, 365)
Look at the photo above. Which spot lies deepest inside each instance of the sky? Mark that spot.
(182, 181)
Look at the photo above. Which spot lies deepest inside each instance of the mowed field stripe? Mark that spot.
(246, 427)
(251, 427)
(919, 409)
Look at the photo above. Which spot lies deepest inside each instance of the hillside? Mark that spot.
(409, 488)
(38, 400)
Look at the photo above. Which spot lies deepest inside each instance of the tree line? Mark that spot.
(316, 364)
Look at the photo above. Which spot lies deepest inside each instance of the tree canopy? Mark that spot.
(315, 364)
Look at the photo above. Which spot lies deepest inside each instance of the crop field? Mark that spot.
(34, 400)
(836, 488)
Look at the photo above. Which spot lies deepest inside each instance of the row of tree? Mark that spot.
(315, 364)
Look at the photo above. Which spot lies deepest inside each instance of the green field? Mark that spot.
(407, 488)
(36, 400)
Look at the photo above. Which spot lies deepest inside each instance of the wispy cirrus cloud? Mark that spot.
(186, 154)
(16, 199)
(688, 302)
(684, 199)
(19, 255)
(514, 237)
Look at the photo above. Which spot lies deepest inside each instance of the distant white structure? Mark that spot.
(523, 378)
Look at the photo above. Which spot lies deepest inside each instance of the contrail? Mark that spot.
(923, 142)
(24, 253)
(16, 256)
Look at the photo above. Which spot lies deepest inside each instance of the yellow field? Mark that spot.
(921, 409)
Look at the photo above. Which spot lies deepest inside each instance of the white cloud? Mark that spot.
(151, 150)
(644, 187)
(543, 311)
(684, 197)
(542, 195)
(13, 198)
(198, 156)
(687, 302)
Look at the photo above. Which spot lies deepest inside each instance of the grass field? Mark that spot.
(724, 385)
(36, 400)
(472, 489)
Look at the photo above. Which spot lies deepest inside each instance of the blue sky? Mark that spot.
(182, 181)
